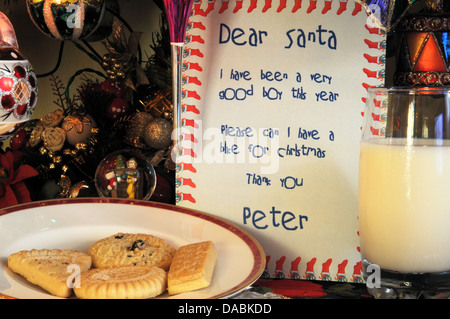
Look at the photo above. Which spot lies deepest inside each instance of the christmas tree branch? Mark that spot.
(58, 88)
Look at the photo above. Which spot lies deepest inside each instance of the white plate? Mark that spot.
(78, 223)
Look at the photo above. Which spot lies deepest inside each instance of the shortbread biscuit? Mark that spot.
(131, 249)
(50, 269)
(122, 282)
(192, 267)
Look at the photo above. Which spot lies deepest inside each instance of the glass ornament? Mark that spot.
(125, 174)
(18, 82)
(67, 19)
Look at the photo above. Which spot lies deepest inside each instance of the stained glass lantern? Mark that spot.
(67, 19)
(18, 82)
(423, 53)
(424, 49)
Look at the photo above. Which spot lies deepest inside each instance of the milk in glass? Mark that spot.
(404, 204)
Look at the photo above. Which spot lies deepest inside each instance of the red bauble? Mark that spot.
(18, 140)
(114, 87)
(118, 108)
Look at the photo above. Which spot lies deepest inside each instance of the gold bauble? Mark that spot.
(138, 124)
(158, 133)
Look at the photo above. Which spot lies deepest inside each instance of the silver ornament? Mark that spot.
(158, 133)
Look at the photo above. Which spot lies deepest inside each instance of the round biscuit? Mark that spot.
(122, 282)
(131, 249)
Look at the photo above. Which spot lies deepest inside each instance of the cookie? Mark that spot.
(131, 249)
(50, 269)
(122, 282)
(192, 267)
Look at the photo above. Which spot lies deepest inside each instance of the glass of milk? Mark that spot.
(404, 192)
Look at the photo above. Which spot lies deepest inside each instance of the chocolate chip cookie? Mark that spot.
(131, 249)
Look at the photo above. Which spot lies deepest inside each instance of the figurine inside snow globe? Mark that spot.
(125, 174)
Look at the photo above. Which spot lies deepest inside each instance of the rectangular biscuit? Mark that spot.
(192, 267)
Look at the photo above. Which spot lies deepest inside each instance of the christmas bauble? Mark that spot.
(78, 128)
(66, 20)
(125, 174)
(138, 123)
(158, 133)
(118, 108)
(114, 87)
(106, 25)
(18, 140)
(18, 87)
(18, 82)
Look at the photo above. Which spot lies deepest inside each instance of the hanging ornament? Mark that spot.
(79, 128)
(114, 87)
(18, 140)
(18, 82)
(158, 133)
(66, 20)
(18, 87)
(135, 134)
(125, 174)
(118, 108)
(105, 27)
